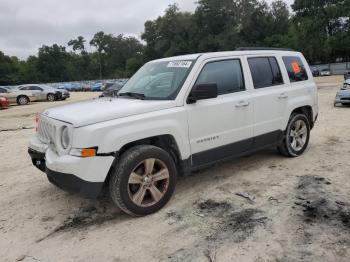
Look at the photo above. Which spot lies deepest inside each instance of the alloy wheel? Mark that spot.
(298, 135)
(148, 182)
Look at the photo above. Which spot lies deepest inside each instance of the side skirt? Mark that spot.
(232, 151)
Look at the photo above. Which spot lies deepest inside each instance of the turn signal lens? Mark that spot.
(88, 152)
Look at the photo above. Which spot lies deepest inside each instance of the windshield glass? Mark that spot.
(158, 80)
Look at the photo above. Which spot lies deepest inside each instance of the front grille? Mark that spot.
(345, 98)
(46, 130)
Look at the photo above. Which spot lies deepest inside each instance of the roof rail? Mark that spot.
(262, 48)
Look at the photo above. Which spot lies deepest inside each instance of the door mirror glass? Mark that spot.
(202, 91)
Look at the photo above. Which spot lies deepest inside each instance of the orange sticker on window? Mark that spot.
(296, 67)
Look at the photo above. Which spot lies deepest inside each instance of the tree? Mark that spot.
(78, 44)
(100, 41)
(52, 63)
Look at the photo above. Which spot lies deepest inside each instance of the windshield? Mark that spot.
(158, 80)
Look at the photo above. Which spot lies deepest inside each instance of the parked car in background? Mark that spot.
(325, 72)
(45, 92)
(315, 71)
(112, 90)
(96, 87)
(86, 88)
(21, 97)
(347, 75)
(346, 84)
(342, 97)
(4, 103)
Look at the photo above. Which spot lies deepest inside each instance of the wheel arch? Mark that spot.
(305, 110)
(166, 142)
(22, 95)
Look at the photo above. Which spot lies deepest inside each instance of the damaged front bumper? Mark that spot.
(85, 176)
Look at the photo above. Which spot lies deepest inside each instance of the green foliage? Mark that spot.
(319, 29)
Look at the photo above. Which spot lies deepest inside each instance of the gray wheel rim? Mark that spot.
(148, 182)
(298, 135)
(22, 100)
(51, 98)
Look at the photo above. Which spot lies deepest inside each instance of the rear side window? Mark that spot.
(36, 88)
(3, 90)
(295, 68)
(265, 72)
(226, 74)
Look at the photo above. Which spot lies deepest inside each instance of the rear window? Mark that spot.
(265, 72)
(295, 68)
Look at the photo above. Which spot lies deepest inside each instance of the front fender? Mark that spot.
(111, 136)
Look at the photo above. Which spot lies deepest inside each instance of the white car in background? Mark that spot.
(45, 92)
(325, 72)
(21, 97)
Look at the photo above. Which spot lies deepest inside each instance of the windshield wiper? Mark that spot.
(133, 95)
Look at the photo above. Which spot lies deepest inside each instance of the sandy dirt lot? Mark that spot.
(299, 208)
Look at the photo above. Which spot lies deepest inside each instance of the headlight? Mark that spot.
(65, 137)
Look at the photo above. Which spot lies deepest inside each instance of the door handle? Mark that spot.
(242, 104)
(283, 96)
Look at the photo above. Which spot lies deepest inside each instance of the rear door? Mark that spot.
(269, 98)
(221, 127)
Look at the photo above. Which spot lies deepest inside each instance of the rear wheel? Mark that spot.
(144, 180)
(51, 97)
(297, 136)
(22, 100)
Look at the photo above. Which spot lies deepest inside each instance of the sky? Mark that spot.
(26, 25)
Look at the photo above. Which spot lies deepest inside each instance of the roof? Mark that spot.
(237, 52)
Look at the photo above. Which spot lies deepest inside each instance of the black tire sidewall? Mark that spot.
(120, 179)
(289, 148)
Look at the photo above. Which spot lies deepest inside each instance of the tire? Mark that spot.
(22, 100)
(294, 144)
(51, 97)
(131, 182)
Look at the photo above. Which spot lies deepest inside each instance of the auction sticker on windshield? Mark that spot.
(185, 64)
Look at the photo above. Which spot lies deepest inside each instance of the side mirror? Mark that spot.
(202, 91)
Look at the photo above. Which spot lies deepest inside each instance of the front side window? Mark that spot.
(227, 75)
(157, 80)
(265, 72)
(295, 68)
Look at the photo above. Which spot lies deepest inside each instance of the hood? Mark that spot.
(104, 109)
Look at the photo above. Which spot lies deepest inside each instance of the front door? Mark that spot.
(221, 127)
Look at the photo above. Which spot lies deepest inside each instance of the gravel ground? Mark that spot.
(291, 209)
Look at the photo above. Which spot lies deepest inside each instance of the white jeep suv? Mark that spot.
(174, 115)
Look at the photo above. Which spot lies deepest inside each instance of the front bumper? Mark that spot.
(341, 101)
(85, 176)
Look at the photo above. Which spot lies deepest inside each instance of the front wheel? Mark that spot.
(297, 136)
(144, 180)
(22, 100)
(51, 97)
